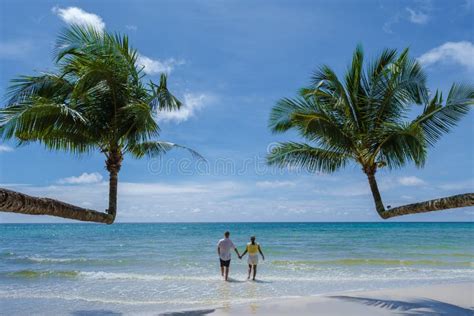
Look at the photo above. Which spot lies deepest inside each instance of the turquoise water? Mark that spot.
(152, 268)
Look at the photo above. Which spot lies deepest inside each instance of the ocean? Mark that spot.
(89, 269)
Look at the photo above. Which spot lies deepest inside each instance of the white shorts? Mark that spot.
(253, 259)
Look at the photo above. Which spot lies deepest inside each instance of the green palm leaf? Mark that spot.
(157, 148)
(162, 97)
(295, 155)
(438, 119)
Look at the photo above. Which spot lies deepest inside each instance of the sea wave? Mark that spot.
(104, 300)
(102, 275)
(372, 262)
(80, 260)
(400, 273)
(32, 274)
(144, 277)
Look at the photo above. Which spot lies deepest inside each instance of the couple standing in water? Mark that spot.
(224, 248)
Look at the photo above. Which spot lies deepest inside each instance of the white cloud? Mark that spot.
(149, 189)
(15, 49)
(419, 13)
(347, 190)
(154, 66)
(411, 181)
(275, 184)
(362, 188)
(192, 103)
(457, 52)
(75, 15)
(387, 26)
(84, 178)
(5, 149)
(227, 201)
(417, 17)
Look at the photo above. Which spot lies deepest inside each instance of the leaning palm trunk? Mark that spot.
(15, 202)
(455, 201)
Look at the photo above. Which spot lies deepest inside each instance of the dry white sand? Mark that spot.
(452, 299)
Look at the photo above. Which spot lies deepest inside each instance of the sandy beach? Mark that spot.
(450, 299)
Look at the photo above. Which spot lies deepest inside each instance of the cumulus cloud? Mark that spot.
(417, 17)
(192, 103)
(75, 15)
(5, 149)
(84, 178)
(411, 181)
(457, 52)
(275, 184)
(155, 66)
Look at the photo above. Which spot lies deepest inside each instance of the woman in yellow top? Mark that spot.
(253, 249)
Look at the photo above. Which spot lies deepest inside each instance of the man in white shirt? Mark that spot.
(224, 247)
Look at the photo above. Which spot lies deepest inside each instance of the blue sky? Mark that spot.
(230, 61)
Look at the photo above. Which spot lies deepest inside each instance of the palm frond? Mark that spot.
(332, 94)
(46, 85)
(354, 78)
(400, 144)
(137, 123)
(162, 98)
(157, 148)
(402, 84)
(282, 114)
(38, 117)
(438, 119)
(304, 156)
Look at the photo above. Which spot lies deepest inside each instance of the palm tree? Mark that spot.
(95, 101)
(362, 119)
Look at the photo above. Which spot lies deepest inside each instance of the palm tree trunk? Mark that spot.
(113, 164)
(455, 201)
(113, 186)
(16, 202)
(375, 193)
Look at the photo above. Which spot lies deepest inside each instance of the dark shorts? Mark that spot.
(225, 263)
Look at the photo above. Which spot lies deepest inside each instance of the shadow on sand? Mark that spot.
(231, 280)
(234, 280)
(96, 312)
(414, 307)
(260, 281)
(189, 313)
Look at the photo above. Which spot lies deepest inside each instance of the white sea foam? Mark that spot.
(392, 274)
